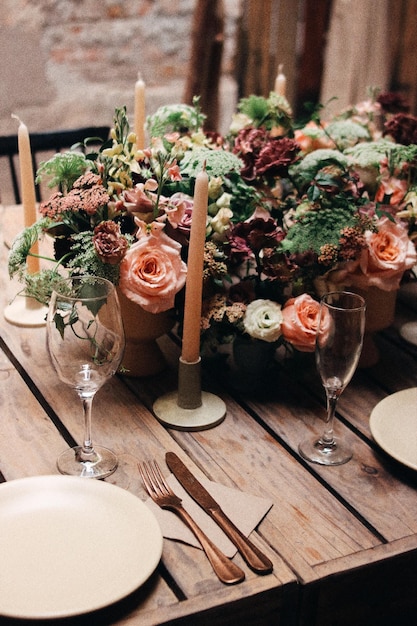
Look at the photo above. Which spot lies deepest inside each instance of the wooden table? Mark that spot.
(343, 540)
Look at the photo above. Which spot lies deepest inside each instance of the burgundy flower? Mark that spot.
(393, 102)
(248, 143)
(276, 157)
(109, 243)
(237, 249)
(402, 128)
(259, 233)
(277, 266)
(263, 154)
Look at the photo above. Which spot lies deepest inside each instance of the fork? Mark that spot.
(163, 495)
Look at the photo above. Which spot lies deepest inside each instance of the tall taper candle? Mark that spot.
(27, 183)
(140, 112)
(194, 284)
(280, 82)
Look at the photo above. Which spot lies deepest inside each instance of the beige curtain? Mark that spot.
(357, 52)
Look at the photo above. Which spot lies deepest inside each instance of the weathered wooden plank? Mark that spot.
(25, 427)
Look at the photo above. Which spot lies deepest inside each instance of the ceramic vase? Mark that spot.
(252, 359)
(380, 312)
(142, 355)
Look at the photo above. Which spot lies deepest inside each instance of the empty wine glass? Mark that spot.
(338, 346)
(85, 342)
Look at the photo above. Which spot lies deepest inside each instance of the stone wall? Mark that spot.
(68, 63)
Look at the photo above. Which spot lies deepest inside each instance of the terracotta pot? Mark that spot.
(142, 355)
(380, 313)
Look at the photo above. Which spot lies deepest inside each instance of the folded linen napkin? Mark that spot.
(246, 511)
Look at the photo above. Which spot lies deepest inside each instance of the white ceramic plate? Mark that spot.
(393, 424)
(72, 545)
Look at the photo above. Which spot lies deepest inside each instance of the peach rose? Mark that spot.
(382, 264)
(152, 271)
(312, 137)
(300, 322)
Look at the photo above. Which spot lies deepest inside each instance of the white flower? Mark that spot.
(239, 121)
(263, 320)
(221, 221)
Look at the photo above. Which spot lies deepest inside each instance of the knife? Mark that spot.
(252, 555)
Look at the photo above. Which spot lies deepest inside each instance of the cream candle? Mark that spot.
(194, 284)
(27, 184)
(140, 112)
(280, 82)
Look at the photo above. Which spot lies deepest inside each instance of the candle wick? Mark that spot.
(15, 117)
(204, 165)
(280, 68)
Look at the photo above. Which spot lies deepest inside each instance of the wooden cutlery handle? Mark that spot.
(253, 556)
(224, 568)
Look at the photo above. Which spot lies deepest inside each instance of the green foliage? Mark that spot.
(175, 117)
(40, 286)
(267, 112)
(22, 245)
(86, 259)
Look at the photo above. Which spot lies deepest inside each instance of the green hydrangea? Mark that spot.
(303, 172)
(369, 154)
(347, 133)
(174, 117)
(314, 229)
(218, 162)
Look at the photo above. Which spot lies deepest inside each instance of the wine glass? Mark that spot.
(338, 346)
(85, 342)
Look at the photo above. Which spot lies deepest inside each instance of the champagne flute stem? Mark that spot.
(328, 436)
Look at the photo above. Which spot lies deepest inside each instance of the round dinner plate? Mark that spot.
(72, 545)
(393, 425)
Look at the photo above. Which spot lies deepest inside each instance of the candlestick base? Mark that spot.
(26, 312)
(189, 408)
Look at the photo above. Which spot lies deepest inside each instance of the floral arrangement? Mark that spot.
(293, 210)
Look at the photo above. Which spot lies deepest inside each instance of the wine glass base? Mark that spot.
(317, 451)
(102, 463)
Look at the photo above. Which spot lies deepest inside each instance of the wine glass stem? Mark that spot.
(87, 448)
(332, 397)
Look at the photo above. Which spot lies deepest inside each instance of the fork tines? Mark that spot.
(152, 478)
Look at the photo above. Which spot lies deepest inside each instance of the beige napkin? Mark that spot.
(245, 510)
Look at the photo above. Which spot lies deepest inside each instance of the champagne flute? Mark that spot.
(338, 346)
(85, 342)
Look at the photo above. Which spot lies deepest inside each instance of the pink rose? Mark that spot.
(152, 271)
(388, 255)
(300, 322)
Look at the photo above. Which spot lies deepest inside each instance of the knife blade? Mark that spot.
(256, 560)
